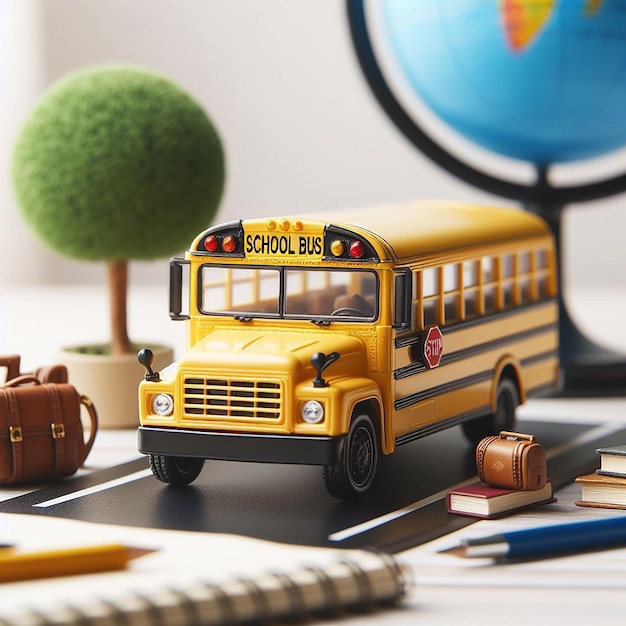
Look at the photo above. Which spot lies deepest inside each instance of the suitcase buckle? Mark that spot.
(58, 430)
(15, 434)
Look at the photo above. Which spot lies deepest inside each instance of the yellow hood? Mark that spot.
(272, 352)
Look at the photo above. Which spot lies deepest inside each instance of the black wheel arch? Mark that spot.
(508, 372)
(372, 408)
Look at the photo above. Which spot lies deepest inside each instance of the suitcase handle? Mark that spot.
(505, 434)
(23, 379)
(93, 417)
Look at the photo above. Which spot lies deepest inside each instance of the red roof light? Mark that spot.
(356, 249)
(229, 243)
(211, 243)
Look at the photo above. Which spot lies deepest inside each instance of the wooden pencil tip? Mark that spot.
(136, 553)
(455, 551)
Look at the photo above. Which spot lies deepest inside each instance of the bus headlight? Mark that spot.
(313, 412)
(163, 404)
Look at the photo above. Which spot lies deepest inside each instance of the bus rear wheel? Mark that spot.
(355, 474)
(175, 470)
(507, 400)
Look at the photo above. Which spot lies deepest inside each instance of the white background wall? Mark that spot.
(301, 129)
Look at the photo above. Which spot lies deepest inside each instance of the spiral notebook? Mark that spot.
(191, 578)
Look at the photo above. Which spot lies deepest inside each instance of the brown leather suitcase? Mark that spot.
(41, 431)
(511, 460)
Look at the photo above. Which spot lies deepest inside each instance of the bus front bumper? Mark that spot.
(255, 448)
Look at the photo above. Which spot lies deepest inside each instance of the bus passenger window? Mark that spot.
(508, 266)
(430, 293)
(542, 260)
(524, 263)
(524, 278)
(542, 274)
(489, 284)
(507, 280)
(451, 293)
(488, 270)
(470, 288)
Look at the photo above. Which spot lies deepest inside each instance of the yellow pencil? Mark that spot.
(15, 565)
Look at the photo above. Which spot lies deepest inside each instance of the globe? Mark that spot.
(542, 81)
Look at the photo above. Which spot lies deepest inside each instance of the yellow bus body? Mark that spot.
(455, 322)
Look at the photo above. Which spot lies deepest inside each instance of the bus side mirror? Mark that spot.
(176, 289)
(320, 362)
(402, 300)
(146, 358)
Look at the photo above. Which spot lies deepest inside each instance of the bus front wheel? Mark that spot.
(507, 400)
(175, 470)
(355, 474)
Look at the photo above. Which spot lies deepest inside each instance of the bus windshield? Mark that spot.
(300, 293)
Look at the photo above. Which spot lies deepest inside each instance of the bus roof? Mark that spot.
(422, 228)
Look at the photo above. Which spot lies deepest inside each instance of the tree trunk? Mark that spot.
(117, 279)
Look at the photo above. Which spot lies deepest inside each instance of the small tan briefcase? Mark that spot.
(511, 460)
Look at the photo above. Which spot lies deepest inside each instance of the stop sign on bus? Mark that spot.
(433, 347)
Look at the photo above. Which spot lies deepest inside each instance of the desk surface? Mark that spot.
(578, 589)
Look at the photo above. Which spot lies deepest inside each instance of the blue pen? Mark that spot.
(546, 540)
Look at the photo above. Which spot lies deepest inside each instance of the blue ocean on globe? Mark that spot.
(538, 80)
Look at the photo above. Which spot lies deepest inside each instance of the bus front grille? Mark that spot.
(238, 399)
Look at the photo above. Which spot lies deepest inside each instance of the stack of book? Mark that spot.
(479, 499)
(606, 487)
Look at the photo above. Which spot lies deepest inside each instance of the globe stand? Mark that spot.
(588, 369)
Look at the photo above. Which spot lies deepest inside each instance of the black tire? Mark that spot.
(356, 473)
(507, 400)
(175, 470)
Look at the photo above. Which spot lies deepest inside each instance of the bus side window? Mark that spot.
(430, 295)
(507, 279)
(470, 288)
(489, 284)
(524, 280)
(542, 274)
(451, 299)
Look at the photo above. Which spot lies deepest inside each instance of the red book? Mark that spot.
(482, 500)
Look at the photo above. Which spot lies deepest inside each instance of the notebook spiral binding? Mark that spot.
(363, 581)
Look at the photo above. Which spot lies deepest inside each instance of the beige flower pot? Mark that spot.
(111, 381)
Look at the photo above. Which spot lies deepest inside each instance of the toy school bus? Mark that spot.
(331, 340)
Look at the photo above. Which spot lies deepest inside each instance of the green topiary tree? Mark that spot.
(114, 164)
